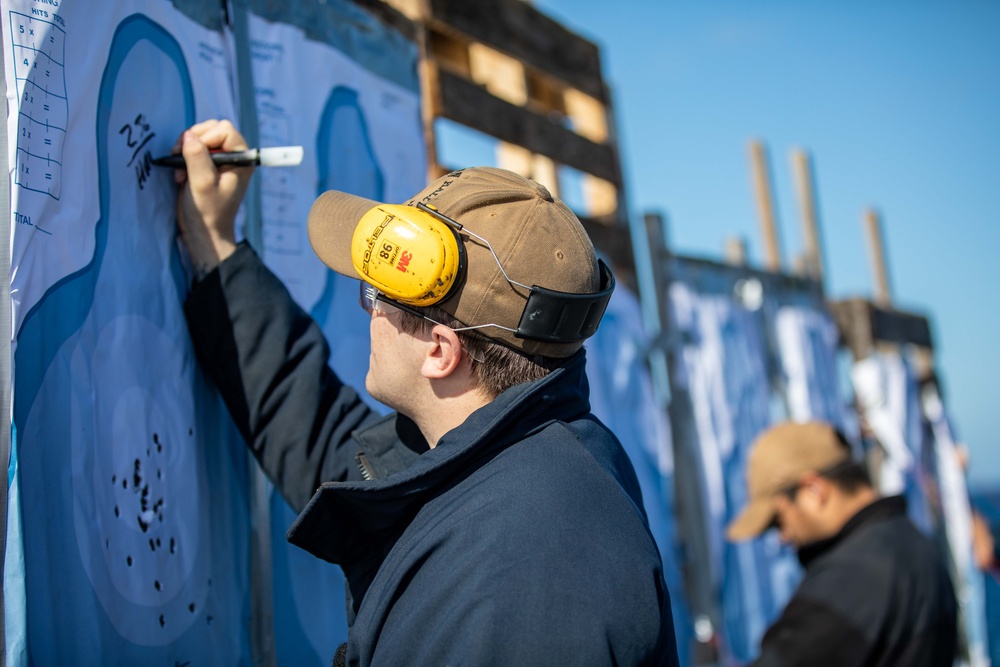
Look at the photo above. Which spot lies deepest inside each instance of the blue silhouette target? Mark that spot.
(132, 476)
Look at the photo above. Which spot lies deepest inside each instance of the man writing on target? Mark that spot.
(492, 519)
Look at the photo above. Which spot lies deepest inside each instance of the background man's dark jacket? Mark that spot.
(875, 594)
(520, 539)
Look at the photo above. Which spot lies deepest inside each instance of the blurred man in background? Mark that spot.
(875, 591)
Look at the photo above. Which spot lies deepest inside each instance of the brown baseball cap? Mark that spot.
(537, 238)
(779, 458)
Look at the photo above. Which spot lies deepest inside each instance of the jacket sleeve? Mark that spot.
(269, 360)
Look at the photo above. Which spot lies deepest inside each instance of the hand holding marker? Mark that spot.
(277, 156)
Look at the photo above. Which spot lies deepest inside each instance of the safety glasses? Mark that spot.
(372, 301)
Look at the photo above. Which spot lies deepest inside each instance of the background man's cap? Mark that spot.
(538, 239)
(778, 459)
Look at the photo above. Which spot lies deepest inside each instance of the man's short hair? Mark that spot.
(495, 367)
(850, 476)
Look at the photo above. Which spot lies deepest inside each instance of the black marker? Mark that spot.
(278, 156)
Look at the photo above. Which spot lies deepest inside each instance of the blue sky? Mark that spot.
(898, 104)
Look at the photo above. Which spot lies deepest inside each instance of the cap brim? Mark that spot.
(332, 220)
(752, 521)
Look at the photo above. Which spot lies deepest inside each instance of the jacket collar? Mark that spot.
(343, 517)
(880, 510)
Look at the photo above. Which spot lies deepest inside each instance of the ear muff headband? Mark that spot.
(407, 254)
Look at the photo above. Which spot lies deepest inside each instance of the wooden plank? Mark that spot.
(761, 174)
(502, 75)
(876, 253)
(390, 16)
(854, 323)
(464, 102)
(864, 326)
(805, 186)
(520, 30)
(894, 326)
(735, 251)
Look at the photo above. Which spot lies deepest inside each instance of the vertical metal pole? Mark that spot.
(805, 186)
(699, 588)
(765, 205)
(648, 249)
(876, 253)
(261, 565)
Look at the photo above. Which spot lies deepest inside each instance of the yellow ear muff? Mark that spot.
(409, 255)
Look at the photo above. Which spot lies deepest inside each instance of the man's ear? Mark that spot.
(818, 487)
(444, 353)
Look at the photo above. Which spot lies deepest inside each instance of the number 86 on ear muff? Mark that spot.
(407, 254)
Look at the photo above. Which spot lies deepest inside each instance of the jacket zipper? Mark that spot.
(366, 469)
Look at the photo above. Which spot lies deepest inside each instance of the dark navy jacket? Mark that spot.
(519, 539)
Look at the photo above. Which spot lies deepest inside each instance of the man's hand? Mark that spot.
(209, 197)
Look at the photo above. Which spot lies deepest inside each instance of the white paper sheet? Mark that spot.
(129, 472)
